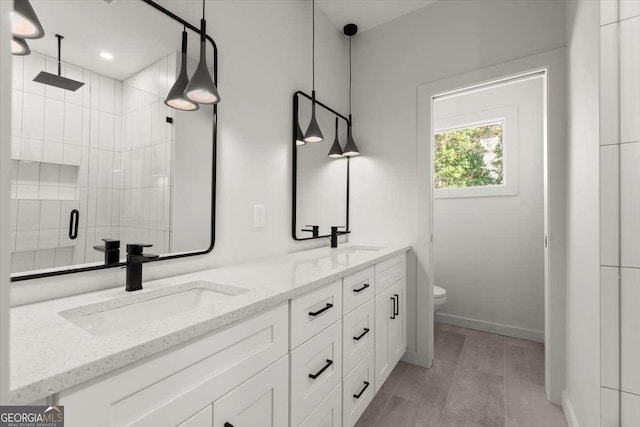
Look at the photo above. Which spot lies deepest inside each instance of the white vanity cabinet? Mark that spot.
(261, 401)
(390, 314)
(178, 386)
(316, 360)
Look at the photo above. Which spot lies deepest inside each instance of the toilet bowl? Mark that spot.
(439, 298)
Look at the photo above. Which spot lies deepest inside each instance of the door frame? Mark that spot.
(552, 65)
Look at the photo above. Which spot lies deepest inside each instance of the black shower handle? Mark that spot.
(74, 217)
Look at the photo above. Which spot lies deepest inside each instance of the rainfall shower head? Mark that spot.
(56, 79)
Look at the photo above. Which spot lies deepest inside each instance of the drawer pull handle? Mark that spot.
(365, 286)
(324, 368)
(397, 305)
(359, 337)
(228, 425)
(366, 386)
(393, 311)
(322, 310)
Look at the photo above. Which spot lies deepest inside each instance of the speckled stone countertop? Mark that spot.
(50, 353)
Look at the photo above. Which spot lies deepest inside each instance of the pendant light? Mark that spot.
(19, 46)
(299, 135)
(336, 149)
(175, 98)
(24, 21)
(201, 88)
(313, 133)
(351, 149)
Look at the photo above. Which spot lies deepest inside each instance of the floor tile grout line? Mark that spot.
(455, 372)
(393, 394)
(384, 408)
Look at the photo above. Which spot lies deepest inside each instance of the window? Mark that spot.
(476, 154)
(469, 157)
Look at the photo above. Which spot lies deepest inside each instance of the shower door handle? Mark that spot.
(74, 217)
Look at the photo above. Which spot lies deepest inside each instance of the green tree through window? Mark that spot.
(469, 157)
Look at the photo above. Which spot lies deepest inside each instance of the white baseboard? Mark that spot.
(567, 408)
(494, 328)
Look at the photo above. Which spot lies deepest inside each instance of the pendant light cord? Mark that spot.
(350, 75)
(203, 2)
(313, 44)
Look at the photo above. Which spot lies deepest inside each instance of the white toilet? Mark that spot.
(439, 298)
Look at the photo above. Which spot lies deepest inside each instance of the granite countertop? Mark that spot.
(50, 353)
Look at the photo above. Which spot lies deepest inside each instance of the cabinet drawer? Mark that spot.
(316, 368)
(174, 385)
(313, 312)
(261, 401)
(357, 337)
(328, 413)
(203, 418)
(390, 271)
(357, 288)
(358, 389)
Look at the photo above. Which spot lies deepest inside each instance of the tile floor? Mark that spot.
(477, 380)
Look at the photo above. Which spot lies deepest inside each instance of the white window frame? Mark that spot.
(508, 116)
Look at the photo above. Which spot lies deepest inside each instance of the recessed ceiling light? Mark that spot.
(106, 55)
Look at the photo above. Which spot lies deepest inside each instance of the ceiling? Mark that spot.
(368, 13)
(145, 35)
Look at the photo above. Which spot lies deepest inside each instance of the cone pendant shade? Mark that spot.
(351, 149)
(24, 21)
(201, 88)
(299, 135)
(313, 133)
(336, 150)
(19, 47)
(175, 98)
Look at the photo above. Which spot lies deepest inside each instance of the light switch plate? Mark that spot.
(259, 216)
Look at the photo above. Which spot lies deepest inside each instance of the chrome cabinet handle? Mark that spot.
(322, 310)
(366, 386)
(359, 337)
(324, 368)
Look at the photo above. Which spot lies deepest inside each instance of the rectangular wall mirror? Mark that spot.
(109, 161)
(320, 183)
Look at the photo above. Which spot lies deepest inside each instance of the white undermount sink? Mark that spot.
(109, 317)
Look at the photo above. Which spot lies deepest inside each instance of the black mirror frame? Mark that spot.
(295, 167)
(70, 270)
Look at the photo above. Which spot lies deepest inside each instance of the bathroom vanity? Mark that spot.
(304, 339)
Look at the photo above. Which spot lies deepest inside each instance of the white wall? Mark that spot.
(264, 57)
(441, 40)
(5, 156)
(582, 315)
(488, 251)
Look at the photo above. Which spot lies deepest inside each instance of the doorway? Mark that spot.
(543, 74)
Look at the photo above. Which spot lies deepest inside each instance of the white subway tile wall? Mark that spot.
(105, 150)
(619, 213)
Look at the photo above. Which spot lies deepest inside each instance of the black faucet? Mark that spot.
(315, 230)
(334, 235)
(111, 249)
(135, 258)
